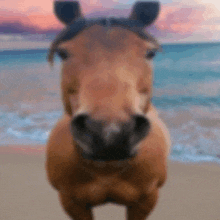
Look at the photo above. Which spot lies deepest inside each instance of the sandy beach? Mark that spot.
(192, 191)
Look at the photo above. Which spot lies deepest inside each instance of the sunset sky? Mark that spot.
(179, 20)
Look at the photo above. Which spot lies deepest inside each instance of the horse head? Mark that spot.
(106, 78)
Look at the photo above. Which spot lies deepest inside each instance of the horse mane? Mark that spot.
(80, 24)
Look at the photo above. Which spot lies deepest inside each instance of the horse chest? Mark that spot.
(106, 189)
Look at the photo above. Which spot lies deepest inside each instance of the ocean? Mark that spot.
(186, 94)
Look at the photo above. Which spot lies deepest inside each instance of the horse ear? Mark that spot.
(146, 12)
(67, 11)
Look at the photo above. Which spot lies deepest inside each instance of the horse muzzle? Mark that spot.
(103, 141)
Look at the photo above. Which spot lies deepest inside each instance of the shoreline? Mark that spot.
(41, 149)
(22, 149)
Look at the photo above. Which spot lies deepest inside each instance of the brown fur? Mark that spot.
(107, 76)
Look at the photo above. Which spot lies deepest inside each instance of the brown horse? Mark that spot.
(110, 145)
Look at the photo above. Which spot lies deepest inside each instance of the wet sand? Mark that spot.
(192, 191)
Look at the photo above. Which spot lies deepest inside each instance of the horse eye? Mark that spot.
(71, 91)
(62, 54)
(151, 54)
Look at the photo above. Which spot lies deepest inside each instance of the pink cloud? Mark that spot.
(181, 20)
(174, 18)
(34, 21)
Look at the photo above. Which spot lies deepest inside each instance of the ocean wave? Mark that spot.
(29, 128)
(209, 88)
(194, 132)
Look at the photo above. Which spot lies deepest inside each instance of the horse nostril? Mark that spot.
(141, 128)
(79, 122)
(141, 123)
(81, 132)
(85, 129)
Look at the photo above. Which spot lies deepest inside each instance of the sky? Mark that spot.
(179, 20)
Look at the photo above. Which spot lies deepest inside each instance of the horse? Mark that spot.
(110, 144)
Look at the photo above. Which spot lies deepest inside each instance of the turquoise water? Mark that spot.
(186, 93)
